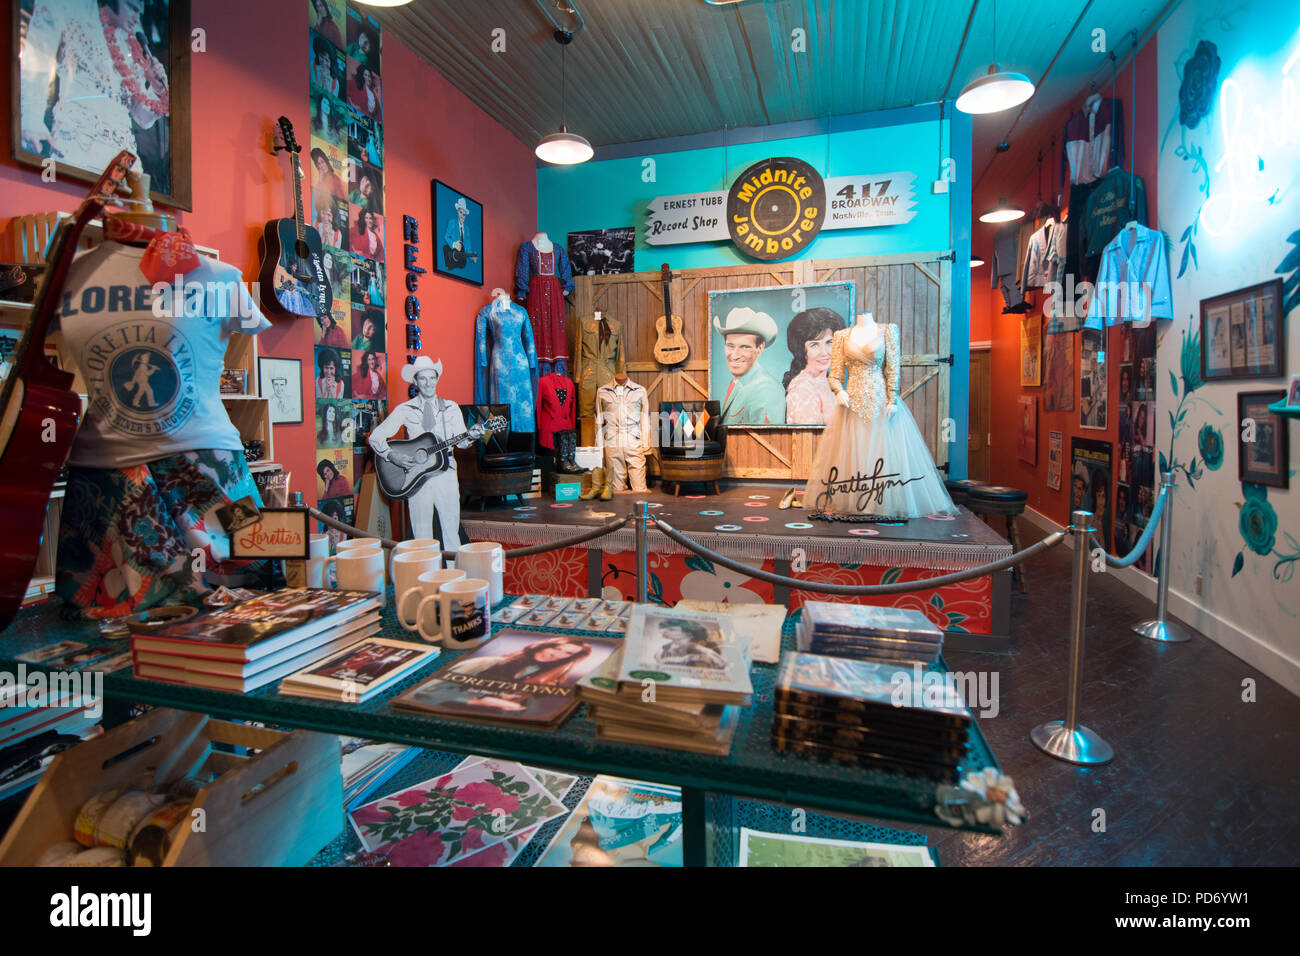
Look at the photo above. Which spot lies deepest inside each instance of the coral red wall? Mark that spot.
(255, 70)
(1004, 330)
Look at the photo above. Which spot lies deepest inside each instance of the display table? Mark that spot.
(753, 769)
(744, 523)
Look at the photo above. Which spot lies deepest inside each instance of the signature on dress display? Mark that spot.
(870, 489)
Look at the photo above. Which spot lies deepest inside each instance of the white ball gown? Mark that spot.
(872, 463)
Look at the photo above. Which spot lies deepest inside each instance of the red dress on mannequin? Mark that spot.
(542, 280)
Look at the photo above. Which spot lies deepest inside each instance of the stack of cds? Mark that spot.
(872, 633)
(870, 714)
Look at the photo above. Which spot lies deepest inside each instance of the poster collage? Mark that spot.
(347, 208)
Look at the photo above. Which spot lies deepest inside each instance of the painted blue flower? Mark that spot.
(1258, 520)
(1210, 441)
(1200, 80)
(1190, 360)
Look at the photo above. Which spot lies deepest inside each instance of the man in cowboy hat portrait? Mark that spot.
(753, 397)
(424, 414)
(455, 251)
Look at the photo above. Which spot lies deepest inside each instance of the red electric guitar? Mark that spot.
(41, 410)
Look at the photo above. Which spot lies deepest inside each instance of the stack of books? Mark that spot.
(36, 724)
(245, 645)
(368, 764)
(679, 683)
(360, 671)
(870, 714)
(867, 632)
(517, 678)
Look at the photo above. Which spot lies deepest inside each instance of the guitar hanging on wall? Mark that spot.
(291, 274)
(428, 456)
(41, 411)
(670, 346)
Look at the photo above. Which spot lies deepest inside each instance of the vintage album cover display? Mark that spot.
(688, 654)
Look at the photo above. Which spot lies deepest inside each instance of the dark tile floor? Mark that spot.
(1199, 776)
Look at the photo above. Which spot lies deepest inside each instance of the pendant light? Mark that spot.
(1003, 211)
(975, 263)
(384, 3)
(998, 89)
(563, 148)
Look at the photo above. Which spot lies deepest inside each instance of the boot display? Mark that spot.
(566, 450)
(597, 485)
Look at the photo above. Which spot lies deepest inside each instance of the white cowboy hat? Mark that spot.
(422, 363)
(745, 319)
(461, 205)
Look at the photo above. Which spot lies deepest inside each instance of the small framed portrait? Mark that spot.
(92, 79)
(1031, 351)
(458, 220)
(1241, 333)
(279, 380)
(234, 381)
(1263, 456)
(238, 515)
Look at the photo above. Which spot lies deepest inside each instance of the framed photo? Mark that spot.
(1266, 460)
(458, 232)
(92, 79)
(1054, 439)
(1058, 372)
(598, 252)
(278, 533)
(771, 370)
(1031, 350)
(1092, 380)
(280, 381)
(234, 381)
(1241, 333)
(1027, 435)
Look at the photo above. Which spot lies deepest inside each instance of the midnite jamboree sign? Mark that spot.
(776, 207)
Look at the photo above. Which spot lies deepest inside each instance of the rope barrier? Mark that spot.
(1144, 541)
(859, 590)
(389, 543)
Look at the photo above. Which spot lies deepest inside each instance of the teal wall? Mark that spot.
(609, 191)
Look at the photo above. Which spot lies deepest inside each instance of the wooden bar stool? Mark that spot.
(1001, 500)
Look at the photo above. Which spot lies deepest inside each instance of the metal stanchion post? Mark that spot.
(1168, 632)
(1067, 740)
(642, 515)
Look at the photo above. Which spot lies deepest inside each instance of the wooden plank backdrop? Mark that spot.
(911, 291)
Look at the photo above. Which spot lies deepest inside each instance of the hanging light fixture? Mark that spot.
(976, 263)
(997, 90)
(384, 3)
(563, 148)
(1003, 211)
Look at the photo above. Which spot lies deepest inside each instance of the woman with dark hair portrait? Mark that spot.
(368, 193)
(333, 485)
(1140, 426)
(368, 381)
(366, 240)
(370, 335)
(364, 47)
(330, 433)
(324, 123)
(1126, 383)
(1101, 502)
(322, 66)
(328, 383)
(808, 395)
(331, 333)
(551, 661)
(689, 644)
(365, 92)
(325, 24)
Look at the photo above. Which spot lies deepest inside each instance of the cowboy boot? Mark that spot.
(597, 484)
(607, 493)
(566, 451)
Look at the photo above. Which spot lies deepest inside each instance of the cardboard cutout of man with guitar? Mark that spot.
(422, 468)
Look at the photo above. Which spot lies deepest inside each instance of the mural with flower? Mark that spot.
(1209, 440)
(1258, 525)
(1197, 89)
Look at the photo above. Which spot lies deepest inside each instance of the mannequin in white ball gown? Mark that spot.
(871, 460)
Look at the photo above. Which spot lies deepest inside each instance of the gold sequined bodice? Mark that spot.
(872, 374)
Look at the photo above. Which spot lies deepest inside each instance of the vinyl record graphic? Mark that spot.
(775, 208)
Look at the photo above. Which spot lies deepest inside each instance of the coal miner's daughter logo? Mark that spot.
(141, 376)
(870, 489)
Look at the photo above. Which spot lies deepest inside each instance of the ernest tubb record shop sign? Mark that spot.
(776, 207)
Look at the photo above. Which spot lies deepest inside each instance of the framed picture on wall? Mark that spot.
(458, 234)
(1027, 434)
(280, 381)
(1241, 333)
(1266, 460)
(1031, 350)
(1092, 380)
(92, 79)
(770, 351)
(1058, 372)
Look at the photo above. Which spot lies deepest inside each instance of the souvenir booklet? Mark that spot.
(515, 678)
(792, 849)
(359, 672)
(688, 654)
(760, 623)
(441, 821)
(621, 823)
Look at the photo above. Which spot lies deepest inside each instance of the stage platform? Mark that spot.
(745, 523)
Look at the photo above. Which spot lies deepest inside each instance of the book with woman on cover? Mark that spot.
(514, 678)
(688, 654)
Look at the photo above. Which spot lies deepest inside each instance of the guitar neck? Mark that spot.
(297, 198)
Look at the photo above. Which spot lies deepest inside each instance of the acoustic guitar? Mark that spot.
(431, 456)
(291, 274)
(41, 411)
(670, 346)
(455, 258)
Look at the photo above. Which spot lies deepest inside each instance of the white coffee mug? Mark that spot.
(426, 590)
(360, 569)
(465, 610)
(415, 544)
(319, 549)
(485, 560)
(407, 568)
(348, 543)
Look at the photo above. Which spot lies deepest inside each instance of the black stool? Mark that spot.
(1001, 500)
(959, 488)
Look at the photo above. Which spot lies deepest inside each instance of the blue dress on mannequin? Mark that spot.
(505, 362)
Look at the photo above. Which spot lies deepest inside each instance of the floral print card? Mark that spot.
(504, 853)
(443, 820)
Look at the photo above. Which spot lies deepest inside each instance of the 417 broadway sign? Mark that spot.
(776, 207)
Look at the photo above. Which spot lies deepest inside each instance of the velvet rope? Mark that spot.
(1143, 542)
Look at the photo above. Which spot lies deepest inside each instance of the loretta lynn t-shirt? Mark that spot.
(152, 369)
